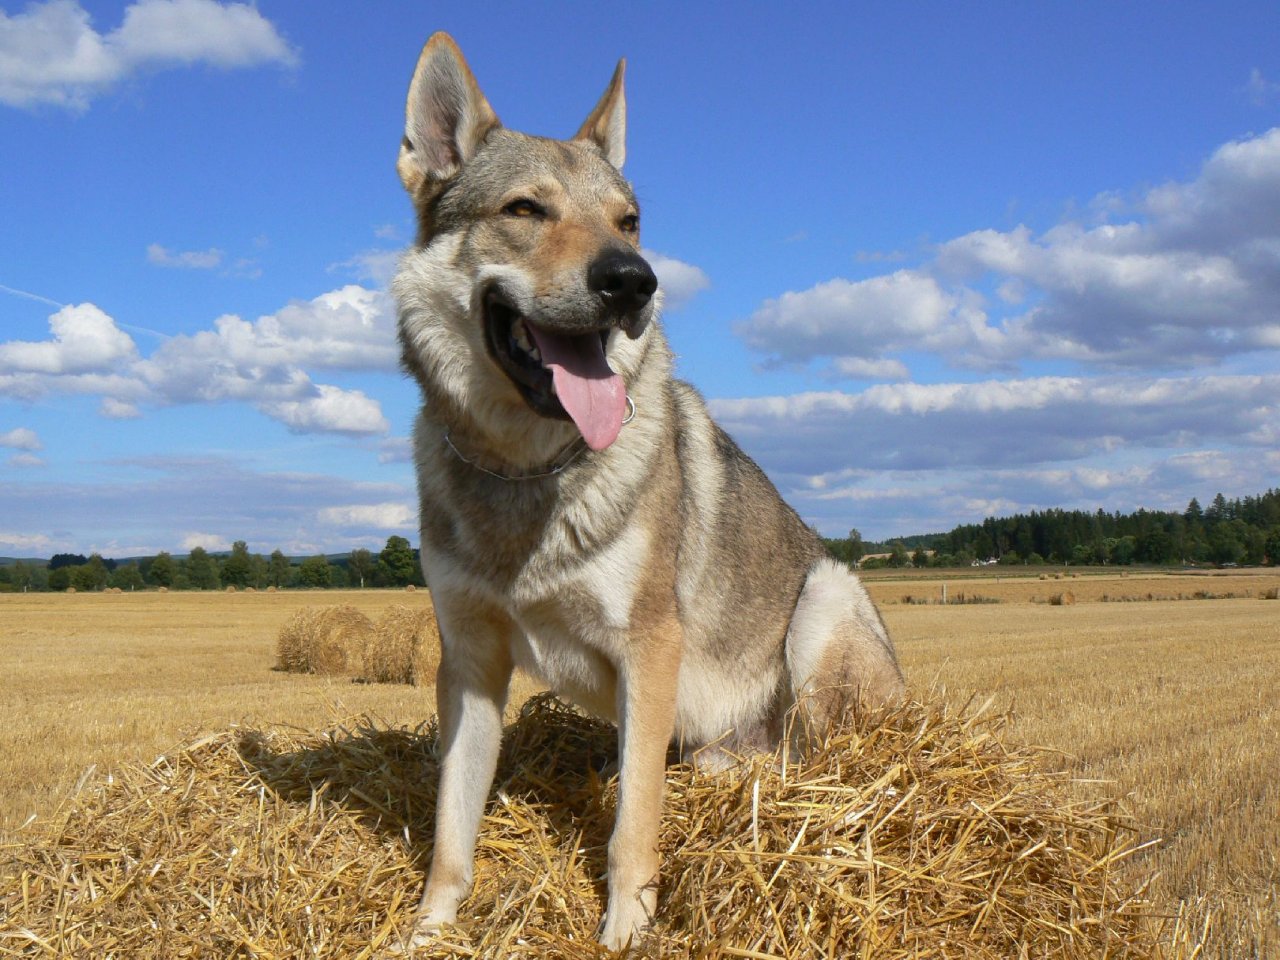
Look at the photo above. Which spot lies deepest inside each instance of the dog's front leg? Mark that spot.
(646, 719)
(471, 691)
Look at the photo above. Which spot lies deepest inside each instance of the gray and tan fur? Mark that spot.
(657, 580)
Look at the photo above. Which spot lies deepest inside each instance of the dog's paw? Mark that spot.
(426, 932)
(619, 930)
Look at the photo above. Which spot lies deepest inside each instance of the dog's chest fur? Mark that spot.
(563, 558)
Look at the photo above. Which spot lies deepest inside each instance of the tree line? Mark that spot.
(396, 565)
(1243, 531)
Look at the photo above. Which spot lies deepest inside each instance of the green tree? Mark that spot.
(92, 575)
(1272, 547)
(898, 555)
(1255, 545)
(1193, 513)
(396, 564)
(161, 571)
(315, 572)
(1123, 551)
(127, 576)
(279, 570)
(59, 560)
(237, 569)
(1218, 510)
(24, 577)
(360, 567)
(920, 559)
(258, 571)
(202, 569)
(60, 578)
(1225, 544)
(857, 549)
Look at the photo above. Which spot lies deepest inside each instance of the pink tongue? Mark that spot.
(592, 394)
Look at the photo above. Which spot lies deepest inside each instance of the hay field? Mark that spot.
(100, 679)
(1174, 701)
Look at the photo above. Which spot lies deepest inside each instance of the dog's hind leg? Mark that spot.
(471, 692)
(839, 654)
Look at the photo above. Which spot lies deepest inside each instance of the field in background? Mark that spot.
(1174, 700)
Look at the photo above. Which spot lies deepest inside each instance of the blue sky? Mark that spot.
(927, 263)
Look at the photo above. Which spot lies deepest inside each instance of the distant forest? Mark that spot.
(396, 565)
(1226, 533)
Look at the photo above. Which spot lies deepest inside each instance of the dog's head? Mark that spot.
(527, 254)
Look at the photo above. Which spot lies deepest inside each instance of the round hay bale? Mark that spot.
(250, 589)
(927, 835)
(324, 640)
(402, 646)
(164, 590)
(71, 590)
(231, 588)
(271, 589)
(410, 588)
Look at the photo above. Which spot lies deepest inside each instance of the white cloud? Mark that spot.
(857, 368)
(858, 322)
(174, 503)
(375, 266)
(998, 423)
(85, 340)
(188, 260)
(33, 544)
(352, 328)
(379, 516)
(1261, 90)
(330, 410)
(260, 362)
(114, 409)
(207, 541)
(21, 438)
(1191, 278)
(680, 282)
(50, 53)
(25, 460)
(396, 450)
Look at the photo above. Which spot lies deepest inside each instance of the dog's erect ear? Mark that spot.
(446, 117)
(607, 125)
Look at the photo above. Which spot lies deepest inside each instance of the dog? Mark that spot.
(582, 516)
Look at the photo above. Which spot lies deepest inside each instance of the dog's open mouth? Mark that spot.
(559, 375)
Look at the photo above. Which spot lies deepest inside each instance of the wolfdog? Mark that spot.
(582, 516)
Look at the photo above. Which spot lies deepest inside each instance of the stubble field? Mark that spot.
(1168, 698)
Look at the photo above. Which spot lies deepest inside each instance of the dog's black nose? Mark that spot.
(624, 281)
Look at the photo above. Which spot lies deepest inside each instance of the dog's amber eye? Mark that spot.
(522, 208)
(629, 224)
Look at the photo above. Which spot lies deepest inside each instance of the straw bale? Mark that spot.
(324, 640)
(402, 646)
(925, 836)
